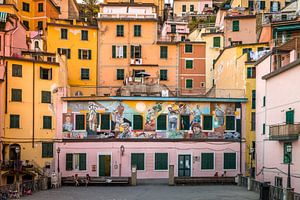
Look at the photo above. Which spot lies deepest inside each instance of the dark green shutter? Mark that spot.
(120, 74)
(229, 161)
(184, 122)
(69, 53)
(137, 122)
(253, 99)
(69, 162)
(14, 121)
(163, 76)
(189, 64)
(188, 48)
(47, 150)
(105, 122)
(207, 161)
(161, 161)
(47, 122)
(289, 117)
(131, 51)
(125, 51)
(82, 161)
(217, 41)
(44, 150)
(207, 122)
(188, 83)
(264, 128)
(264, 101)
(230, 123)
(89, 54)
(162, 122)
(113, 51)
(79, 54)
(163, 52)
(138, 160)
(235, 25)
(101, 165)
(79, 122)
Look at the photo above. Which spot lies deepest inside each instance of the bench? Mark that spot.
(97, 181)
(205, 180)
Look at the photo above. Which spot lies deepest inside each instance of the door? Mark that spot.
(184, 165)
(104, 165)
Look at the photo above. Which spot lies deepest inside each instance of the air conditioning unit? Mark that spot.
(78, 93)
(165, 93)
(138, 61)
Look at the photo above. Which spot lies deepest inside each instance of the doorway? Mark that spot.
(104, 165)
(184, 165)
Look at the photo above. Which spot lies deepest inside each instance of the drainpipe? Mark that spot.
(33, 102)
(241, 147)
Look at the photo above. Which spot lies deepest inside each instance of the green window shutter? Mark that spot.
(16, 95)
(44, 150)
(16, 70)
(120, 30)
(163, 76)
(120, 74)
(82, 161)
(207, 122)
(113, 51)
(253, 121)
(217, 41)
(47, 122)
(287, 157)
(79, 119)
(69, 162)
(235, 25)
(189, 64)
(14, 121)
(230, 123)
(163, 52)
(138, 160)
(137, 30)
(137, 122)
(173, 28)
(79, 54)
(264, 128)
(188, 83)
(184, 122)
(47, 150)
(105, 122)
(161, 161)
(289, 117)
(249, 72)
(253, 99)
(162, 122)
(229, 161)
(46, 97)
(188, 48)
(89, 54)
(183, 8)
(207, 161)
(264, 101)
(125, 51)
(131, 51)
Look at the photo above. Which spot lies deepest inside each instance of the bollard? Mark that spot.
(239, 183)
(171, 175)
(250, 184)
(288, 194)
(133, 176)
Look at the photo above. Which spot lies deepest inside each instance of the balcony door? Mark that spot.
(184, 165)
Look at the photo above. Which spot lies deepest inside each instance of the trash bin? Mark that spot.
(264, 191)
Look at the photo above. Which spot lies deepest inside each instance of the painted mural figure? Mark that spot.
(173, 118)
(151, 117)
(92, 117)
(118, 117)
(219, 115)
(68, 126)
(125, 130)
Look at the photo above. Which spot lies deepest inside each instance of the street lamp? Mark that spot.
(58, 152)
(122, 148)
(17, 150)
(251, 159)
(288, 155)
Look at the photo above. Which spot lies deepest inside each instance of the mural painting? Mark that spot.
(149, 119)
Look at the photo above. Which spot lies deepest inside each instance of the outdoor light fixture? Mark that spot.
(288, 151)
(289, 148)
(17, 149)
(122, 148)
(58, 151)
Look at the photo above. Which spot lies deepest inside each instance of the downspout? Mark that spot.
(33, 103)
(241, 148)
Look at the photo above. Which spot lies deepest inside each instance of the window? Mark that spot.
(46, 97)
(253, 121)
(85, 74)
(136, 51)
(278, 181)
(138, 159)
(206, 5)
(84, 35)
(251, 72)
(63, 33)
(262, 5)
(182, 38)
(183, 8)
(26, 24)
(173, 28)
(275, 6)
(26, 7)
(161, 122)
(79, 122)
(16, 70)
(191, 8)
(189, 83)
(264, 128)
(207, 122)
(253, 99)
(64, 51)
(229, 161)
(188, 48)
(163, 52)
(289, 117)
(235, 25)
(287, 156)
(119, 51)
(264, 101)
(120, 74)
(41, 7)
(163, 75)
(120, 30)
(84, 54)
(105, 122)
(251, 5)
(161, 161)
(14, 121)
(75, 161)
(45, 74)
(248, 52)
(137, 122)
(47, 122)
(189, 64)
(217, 42)
(47, 150)
(184, 122)
(230, 123)
(207, 161)
(137, 30)
(40, 25)
(16, 95)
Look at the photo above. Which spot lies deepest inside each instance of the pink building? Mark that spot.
(175, 31)
(106, 136)
(278, 116)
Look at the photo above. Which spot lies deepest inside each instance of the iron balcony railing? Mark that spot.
(285, 131)
(127, 15)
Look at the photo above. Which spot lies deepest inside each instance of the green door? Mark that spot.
(104, 165)
(184, 165)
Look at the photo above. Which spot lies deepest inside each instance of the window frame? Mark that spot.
(84, 122)
(18, 117)
(43, 92)
(144, 157)
(82, 52)
(85, 71)
(109, 121)
(235, 25)
(47, 145)
(192, 82)
(137, 30)
(163, 52)
(227, 130)
(215, 39)
(154, 160)
(45, 72)
(84, 37)
(133, 123)
(212, 122)
(214, 161)
(64, 34)
(44, 124)
(186, 50)
(122, 76)
(17, 70)
(13, 97)
(64, 51)
(166, 128)
(236, 164)
(120, 30)
(161, 77)
(25, 7)
(40, 7)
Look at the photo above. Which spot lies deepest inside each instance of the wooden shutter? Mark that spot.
(137, 122)
(229, 161)
(207, 161)
(161, 161)
(41, 72)
(217, 42)
(89, 54)
(79, 122)
(124, 51)
(138, 160)
(162, 122)
(207, 122)
(69, 53)
(82, 161)
(69, 162)
(50, 74)
(105, 122)
(230, 123)
(289, 117)
(79, 54)
(113, 53)
(101, 165)
(131, 51)
(184, 122)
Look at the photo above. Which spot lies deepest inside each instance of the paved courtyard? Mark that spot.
(146, 192)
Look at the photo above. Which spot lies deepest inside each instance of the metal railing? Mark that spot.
(256, 185)
(244, 181)
(128, 15)
(276, 193)
(280, 130)
(296, 196)
(278, 17)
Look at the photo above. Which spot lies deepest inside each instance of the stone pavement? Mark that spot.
(146, 192)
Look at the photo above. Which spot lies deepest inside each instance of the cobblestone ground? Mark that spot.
(146, 192)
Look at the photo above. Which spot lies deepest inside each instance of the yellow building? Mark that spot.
(78, 41)
(187, 7)
(234, 70)
(29, 121)
(265, 6)
(128, 46)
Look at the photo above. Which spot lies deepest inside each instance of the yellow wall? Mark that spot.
(244, 3)
(74, 43)
(178, 6)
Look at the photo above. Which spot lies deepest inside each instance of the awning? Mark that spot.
(3, 16)
(288, 28)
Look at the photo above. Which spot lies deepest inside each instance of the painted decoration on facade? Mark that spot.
(149, 119)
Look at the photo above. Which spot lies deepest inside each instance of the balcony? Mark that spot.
(285, 132)
(127, 16)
